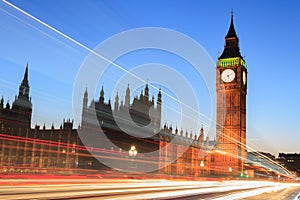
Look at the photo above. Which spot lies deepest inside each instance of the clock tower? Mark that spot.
(231, 88)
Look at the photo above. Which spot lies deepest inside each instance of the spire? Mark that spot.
(170, 129)
(102, 92)
(101, 95)
(147, 91)
(231, 32)
(85, 101)
(159, 97)
(24, 87)
(86, 93)
(25, 79)
(116, 108)
(141, 95)
(231, 48)
(127, 97)
(201, 137)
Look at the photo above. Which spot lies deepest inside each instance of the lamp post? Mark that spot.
(246, 173)
(132, 152)
(201, 167)
(230, 170)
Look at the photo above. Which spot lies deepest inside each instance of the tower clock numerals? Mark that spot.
(244, 78)
(228, 75)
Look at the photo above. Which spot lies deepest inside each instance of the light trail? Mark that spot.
(46, 146)
(135, 76)
(256, 192)
(137, 189)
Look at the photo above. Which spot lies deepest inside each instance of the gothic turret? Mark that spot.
(116, 108)
(22, 106)
(127, 97)
(101, 100)
(85, 100)
(201, 137)
(159, 98)
(146, 92)
(84, 104)
(24, 87)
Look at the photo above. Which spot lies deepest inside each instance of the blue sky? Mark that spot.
(269, 40)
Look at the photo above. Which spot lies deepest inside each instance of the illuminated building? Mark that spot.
(23, 149)
(127, 124)
(291, 161)
(231, 86)
(173, 152)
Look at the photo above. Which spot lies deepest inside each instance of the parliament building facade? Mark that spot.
(74, 150)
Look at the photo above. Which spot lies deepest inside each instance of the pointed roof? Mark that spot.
(86, 92)
(231, 31)
(102, 92)
(128, 89)
(25, 79)
(231, 48)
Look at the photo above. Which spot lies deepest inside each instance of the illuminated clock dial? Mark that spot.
(244, 78)
(228, 75)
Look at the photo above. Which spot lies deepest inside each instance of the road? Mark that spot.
(292, 193)
(141, 189)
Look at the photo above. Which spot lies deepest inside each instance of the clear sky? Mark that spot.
(269, 39)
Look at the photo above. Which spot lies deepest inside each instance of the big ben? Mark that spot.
(231, 89)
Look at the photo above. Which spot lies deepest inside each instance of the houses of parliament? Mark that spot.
(24, 148)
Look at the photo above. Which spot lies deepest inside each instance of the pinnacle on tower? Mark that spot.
(147, 91)
(86, 93)
(231, 32)
(116, 107)
(231, 48)
(159, 97)
(85, 101)
(102, 92)
(101, 95)
(24, 87)
(127, 97)
(25, 79)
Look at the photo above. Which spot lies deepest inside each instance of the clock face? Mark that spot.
(228, 75)
(244, 78)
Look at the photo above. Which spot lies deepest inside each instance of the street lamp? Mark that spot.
(246, 172)
(230, 170)
(202, 166)
(132, 153)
